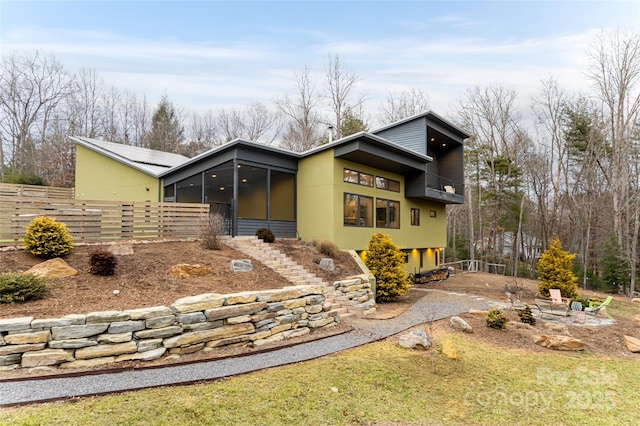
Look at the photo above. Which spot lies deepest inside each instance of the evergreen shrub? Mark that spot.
(386, 263)
(555, 270)
(47, 238)
(497, 319)
(17, 287)
(265, 235)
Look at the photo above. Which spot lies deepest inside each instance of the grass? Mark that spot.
(381, 383)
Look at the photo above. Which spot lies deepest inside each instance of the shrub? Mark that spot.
(328, 248)
(102, 262)
(265, 235)
(526, 316)
(47, 238)
(386, 263)
(554, 270)
(16, 287)
(210, 231)
(496, 319)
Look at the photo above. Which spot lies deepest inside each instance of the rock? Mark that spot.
(89, 363)
(126, 327)
(25, 338)
(207, 335)
(115, 338)
(449, 350)
(52, 268)
(106, 350)
(414, 339)
(146, 313)
(121, 248)
(478, 312)
(12, 359)
(78, 331)
(560, 343)
(143, 356)
(512, 325)
(327, 264)
(636, 300)
(632, 343)
(106, 317)
(200, 302)
(184, 270)
(46, 357)
(18, 349)
(234, 310)
(12, 324)
(241, 265)
(459, 324)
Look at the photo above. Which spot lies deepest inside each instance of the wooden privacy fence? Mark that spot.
(17, 190)
(103, 221)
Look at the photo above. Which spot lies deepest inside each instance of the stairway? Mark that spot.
(289, 269)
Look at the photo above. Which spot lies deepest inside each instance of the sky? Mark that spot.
(206, 55)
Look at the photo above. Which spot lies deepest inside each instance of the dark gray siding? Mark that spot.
(280, 229)
(411, 135)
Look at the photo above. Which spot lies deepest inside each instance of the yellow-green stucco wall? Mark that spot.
(321, 192)
(100, 178)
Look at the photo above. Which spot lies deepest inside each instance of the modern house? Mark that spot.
(396, 180)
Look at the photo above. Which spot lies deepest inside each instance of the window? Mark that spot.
(358, 210)
(415, 217)
(283, 196)
(388, 184)
(387, 213)
(359, 178)
(189, 190)
(252, 192)
(433, 213)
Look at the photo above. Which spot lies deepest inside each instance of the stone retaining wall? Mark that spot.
(357, 290)
(190, 324)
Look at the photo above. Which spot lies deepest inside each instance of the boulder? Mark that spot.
(459, 324)
(414, 339)
(327, 264)
(184, 270)
(632, 343)
(241, 265)
(560, 343)
(121, 248)
(52, 268)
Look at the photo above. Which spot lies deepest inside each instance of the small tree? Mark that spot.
(385, 261)
(554, 270)
(615, 266)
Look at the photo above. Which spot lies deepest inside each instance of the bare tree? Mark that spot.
(31, 87)
(301, 131)
(339, 86)
(401, 105)
(615, 72)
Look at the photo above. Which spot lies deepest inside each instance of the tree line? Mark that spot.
(42, 103)
(573, 173)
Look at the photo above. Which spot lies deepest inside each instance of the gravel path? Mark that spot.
(437, 305)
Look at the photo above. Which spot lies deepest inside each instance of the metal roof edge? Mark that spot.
(87, 144)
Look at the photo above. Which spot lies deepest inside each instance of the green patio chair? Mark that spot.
(595, 310)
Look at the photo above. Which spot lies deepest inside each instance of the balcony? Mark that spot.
(434, 187)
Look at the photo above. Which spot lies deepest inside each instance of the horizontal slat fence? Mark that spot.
(103, 221)
(18, 190)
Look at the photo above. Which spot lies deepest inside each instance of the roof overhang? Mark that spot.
(374, 151)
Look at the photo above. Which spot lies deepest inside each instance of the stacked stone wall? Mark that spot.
(190, 324)
(357, 290)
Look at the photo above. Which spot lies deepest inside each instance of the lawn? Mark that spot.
(381, 383)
